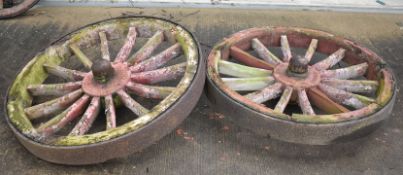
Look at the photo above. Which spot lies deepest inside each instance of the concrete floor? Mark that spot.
(218, 146)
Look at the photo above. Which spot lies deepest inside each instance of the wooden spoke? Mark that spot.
(341, 96)
(61, 120)
(159, 75)
(285, 98)
(157, 92)
(110, 112)
(311, 50)
(104, 46)
(238, 70)
(130, 103)
(304, 103)
(88, 118)
(81, 56)
(64, 73)
(54, 89)
(248, 84)
(127, 46)
(331, 60)
(148, 48)
(356, 86)
(285, 48)
(346, 73)
(249, 59)
(158, 60)
(323, 102)
(52, 106)
(264, 53)
(268, 93)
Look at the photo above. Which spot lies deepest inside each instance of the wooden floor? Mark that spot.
(217, 145)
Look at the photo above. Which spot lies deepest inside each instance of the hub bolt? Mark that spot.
(102, 70)
(298, 67)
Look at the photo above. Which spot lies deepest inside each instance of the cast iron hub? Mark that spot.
(106, 78)
(298, 67)
(283, 74)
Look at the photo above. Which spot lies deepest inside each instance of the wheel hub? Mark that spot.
(106, 78)
(298, 67)
(301, 80)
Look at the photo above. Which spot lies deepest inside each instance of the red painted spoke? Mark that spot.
(55, 124)
(331, 60)
(320, 100)
(304, 103)
(268, 93)
(88, 118)
(52, 106)
(130, 103)
(285, 48)
(159, 75)
(81, 56)
(248, 84)
(311, 50)
(104, 46)
(157, 92)
(285, 98)
(238, 70)
(264, 53)
(147, 49)
(341, 96)
(158, 60)
(54, 89)
(110, 112)
(64, 73)
(127, 46)
(346, 73)
(357, 86)
(249, 59)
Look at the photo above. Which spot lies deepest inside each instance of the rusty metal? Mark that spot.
(325, 95)
(106, 85)
(102, 71)
(121, 76)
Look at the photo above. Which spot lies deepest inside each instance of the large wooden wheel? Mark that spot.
(110, 88)
(300, 78)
